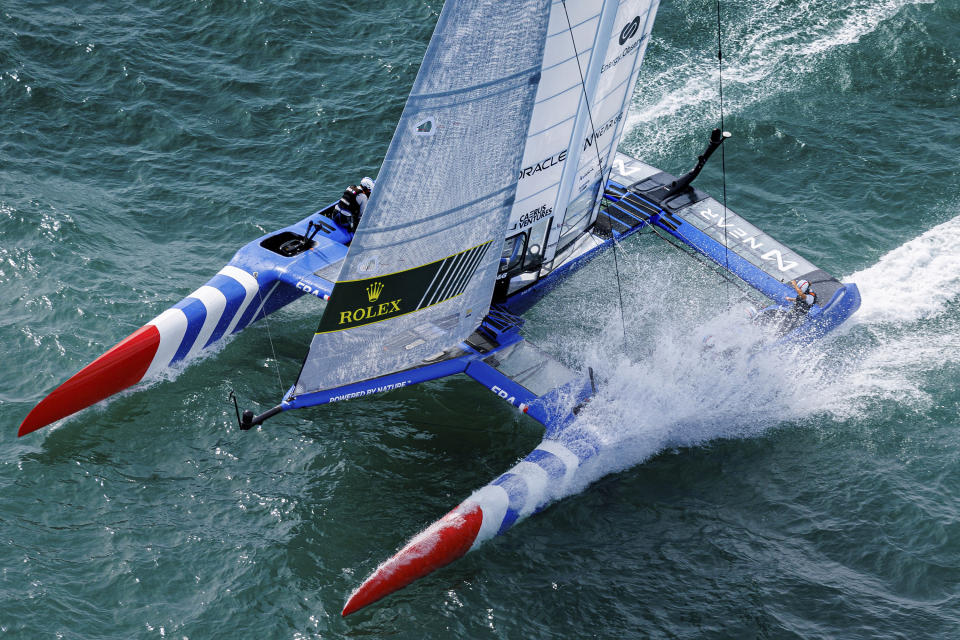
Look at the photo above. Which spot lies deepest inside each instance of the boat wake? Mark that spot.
(680, 394)
(916, 281)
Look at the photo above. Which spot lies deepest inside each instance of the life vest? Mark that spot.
(348, 201)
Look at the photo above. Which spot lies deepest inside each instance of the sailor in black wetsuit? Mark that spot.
(784, 319)
(352, 204)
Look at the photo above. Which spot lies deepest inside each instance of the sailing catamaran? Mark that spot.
(502, 178)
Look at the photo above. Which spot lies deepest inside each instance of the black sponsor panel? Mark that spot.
(358, 302)
(354, 303)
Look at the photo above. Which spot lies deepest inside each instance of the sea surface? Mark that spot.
(815, 495)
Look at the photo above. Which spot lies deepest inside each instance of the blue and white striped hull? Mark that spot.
(545, 474)
(256, 283)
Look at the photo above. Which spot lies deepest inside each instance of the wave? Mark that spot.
(915, 281)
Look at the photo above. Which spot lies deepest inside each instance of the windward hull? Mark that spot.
(257, 282)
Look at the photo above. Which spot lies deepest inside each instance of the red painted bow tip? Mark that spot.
(436, 546)
(122, 366)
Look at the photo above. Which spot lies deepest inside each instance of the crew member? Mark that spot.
(352, 204)
(805, 297)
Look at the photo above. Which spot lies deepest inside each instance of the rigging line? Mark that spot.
(596, 146)
(698, 257)
(266, 322)
(583, 85)
(723, 154)
(616, 267)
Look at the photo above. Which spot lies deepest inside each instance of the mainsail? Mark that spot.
(419, 275)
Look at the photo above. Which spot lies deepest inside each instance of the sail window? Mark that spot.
(577, 218)
(533, 258)
(531, 368)
(513, 251)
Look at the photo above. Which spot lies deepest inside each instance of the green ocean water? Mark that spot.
(142, 143)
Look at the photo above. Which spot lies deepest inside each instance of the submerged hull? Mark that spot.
(540, 478)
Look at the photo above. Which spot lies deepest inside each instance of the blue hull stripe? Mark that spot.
(254, 305)
(550, 463)
(196, 313)
(581, 444)
(516, 489)
(234, 292)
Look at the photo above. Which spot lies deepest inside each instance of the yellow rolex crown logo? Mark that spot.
(374, 290)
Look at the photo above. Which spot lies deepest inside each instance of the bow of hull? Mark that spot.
(262, 277)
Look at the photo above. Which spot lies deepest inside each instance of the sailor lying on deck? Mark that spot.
(352, 204)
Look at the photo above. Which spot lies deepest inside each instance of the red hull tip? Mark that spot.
(122, 366)
(438, 545)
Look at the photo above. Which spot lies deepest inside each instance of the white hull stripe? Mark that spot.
(172, 325)
(203, 317)
(538, 484)
(531, 484)
(250, 286)
(214, 303)
(493, 502)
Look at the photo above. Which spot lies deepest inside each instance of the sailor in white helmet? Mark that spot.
(805, 296)
(352, 204)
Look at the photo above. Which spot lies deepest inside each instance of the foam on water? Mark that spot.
(683, 395)
(914, 281)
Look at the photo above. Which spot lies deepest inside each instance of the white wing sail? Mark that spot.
(590, 66)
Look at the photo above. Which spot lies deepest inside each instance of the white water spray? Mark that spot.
(914, 281)
(679, 393)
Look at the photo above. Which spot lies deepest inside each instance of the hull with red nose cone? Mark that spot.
(440, 544)
(119, 368)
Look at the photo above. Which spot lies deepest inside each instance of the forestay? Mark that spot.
(590, 65)
(418, 277)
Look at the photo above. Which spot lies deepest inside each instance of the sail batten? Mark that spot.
(530, 72)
